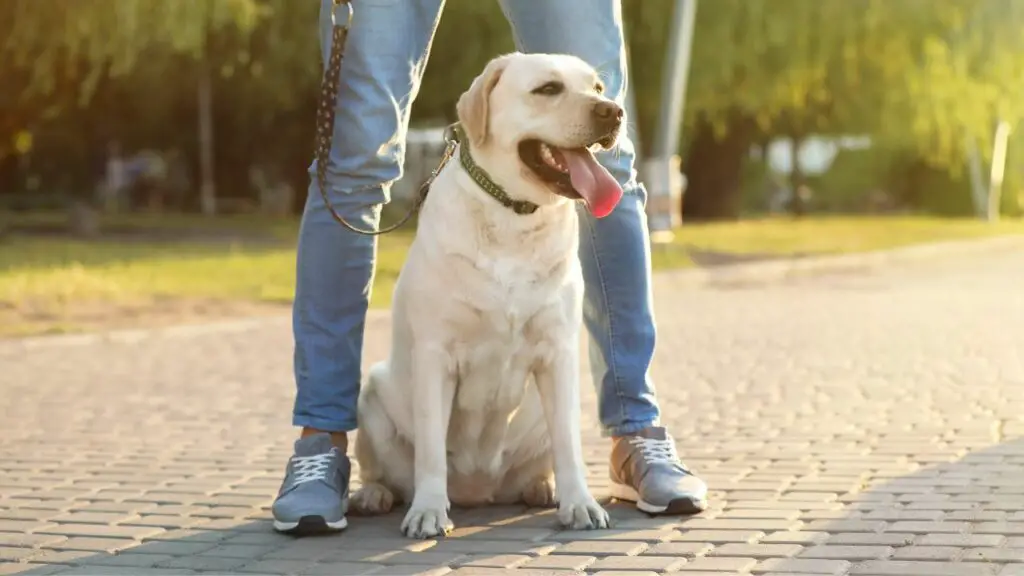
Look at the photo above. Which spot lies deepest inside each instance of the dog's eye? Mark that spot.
(599, 87)
(550, 89)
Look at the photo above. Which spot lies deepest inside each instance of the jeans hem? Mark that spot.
(324, 424)
(626, 429)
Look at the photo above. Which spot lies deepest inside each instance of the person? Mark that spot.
(386, 53)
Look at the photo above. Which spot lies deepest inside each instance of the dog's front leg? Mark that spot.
(558, 382)
(433, 393)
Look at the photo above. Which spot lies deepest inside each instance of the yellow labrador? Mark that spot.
(479, 400)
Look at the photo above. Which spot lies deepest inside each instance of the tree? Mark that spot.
(60, 55)
(913, 74)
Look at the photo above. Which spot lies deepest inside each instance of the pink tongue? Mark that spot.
(597, 186)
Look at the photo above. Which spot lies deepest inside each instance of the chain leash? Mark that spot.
(325, 124)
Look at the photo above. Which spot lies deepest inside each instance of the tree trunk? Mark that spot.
(797, 204)
(208, 190)
(714, 171)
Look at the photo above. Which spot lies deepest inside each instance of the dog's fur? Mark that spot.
(479, 401)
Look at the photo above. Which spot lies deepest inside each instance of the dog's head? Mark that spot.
(534, 122)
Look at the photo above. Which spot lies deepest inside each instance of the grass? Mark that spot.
(60, 285)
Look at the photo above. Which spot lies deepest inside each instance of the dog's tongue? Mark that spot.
(597, 186)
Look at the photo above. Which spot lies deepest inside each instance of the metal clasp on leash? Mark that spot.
(348, 13)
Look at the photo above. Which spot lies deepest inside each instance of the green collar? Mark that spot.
(484, 181)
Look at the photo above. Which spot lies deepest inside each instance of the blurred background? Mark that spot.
(153, 153)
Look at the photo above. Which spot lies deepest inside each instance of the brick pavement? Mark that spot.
(864, 423)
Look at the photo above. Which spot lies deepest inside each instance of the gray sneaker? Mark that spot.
(646, 469)
(314, 495)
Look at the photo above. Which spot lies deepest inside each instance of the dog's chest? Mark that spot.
(492, 365)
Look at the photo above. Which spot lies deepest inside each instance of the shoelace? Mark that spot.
(656, 451)
(310, 468)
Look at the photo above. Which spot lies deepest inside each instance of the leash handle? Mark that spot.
(325, 123)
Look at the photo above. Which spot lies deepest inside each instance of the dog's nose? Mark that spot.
(608, 114)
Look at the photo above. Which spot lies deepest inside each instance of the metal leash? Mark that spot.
(325, 125)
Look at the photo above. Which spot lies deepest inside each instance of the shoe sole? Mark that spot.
(310, 525)
(677, 506)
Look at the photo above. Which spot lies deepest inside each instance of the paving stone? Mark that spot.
(930, 527)
(91, 517)
(867, 539)
(718, 565)
(22, 526)
(508, 572)
(795, 537)
(236, 551)
(994, 555)
(613, 535)
(961, 540)
(846, 526)
(395, 557)
(652, 563)
(282, 567)
(8, 568)
(1004, 528)
(562, 562)
(599, 548)
(757, 550)
(719, 536)
(191, 536)
(16, 554)
(100, 530)
(910, 568)
(802, 566)
(746, 525)
(93, 544)
(684, 549)
(181, 548)
(133, 560)
(495, 547)
(768, 513)
(205, 563)
(61, 556)
(15, 539)
(836, 552)
(488, 533)
(122, 570)
(495, 561)
(932, 553)
(790, 397)
(341, 569)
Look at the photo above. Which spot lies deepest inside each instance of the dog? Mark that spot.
(479, 401)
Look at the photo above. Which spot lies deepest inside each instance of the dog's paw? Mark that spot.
(540, 493)
(372, 499)
(427, 518)
(583, 513)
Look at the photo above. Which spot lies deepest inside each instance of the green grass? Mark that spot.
(55, 285)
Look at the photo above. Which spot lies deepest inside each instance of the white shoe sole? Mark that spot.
(623, 492)
(310, 524)
(682, 505)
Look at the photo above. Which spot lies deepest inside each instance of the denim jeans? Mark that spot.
(385, 56)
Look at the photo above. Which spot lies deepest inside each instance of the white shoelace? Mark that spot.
(310, 468)
(656, 451)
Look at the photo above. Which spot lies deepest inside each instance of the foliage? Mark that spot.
(920, 77)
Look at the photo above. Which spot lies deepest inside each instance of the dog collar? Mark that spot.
(479, 175)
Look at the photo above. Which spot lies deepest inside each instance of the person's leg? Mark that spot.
(385, 55)
(616, 260)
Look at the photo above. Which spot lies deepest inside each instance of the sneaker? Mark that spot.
(313, 498)
(646, 469)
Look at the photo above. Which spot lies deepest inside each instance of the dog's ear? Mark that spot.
(472, 106)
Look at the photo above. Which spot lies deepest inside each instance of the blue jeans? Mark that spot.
(385, 57)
